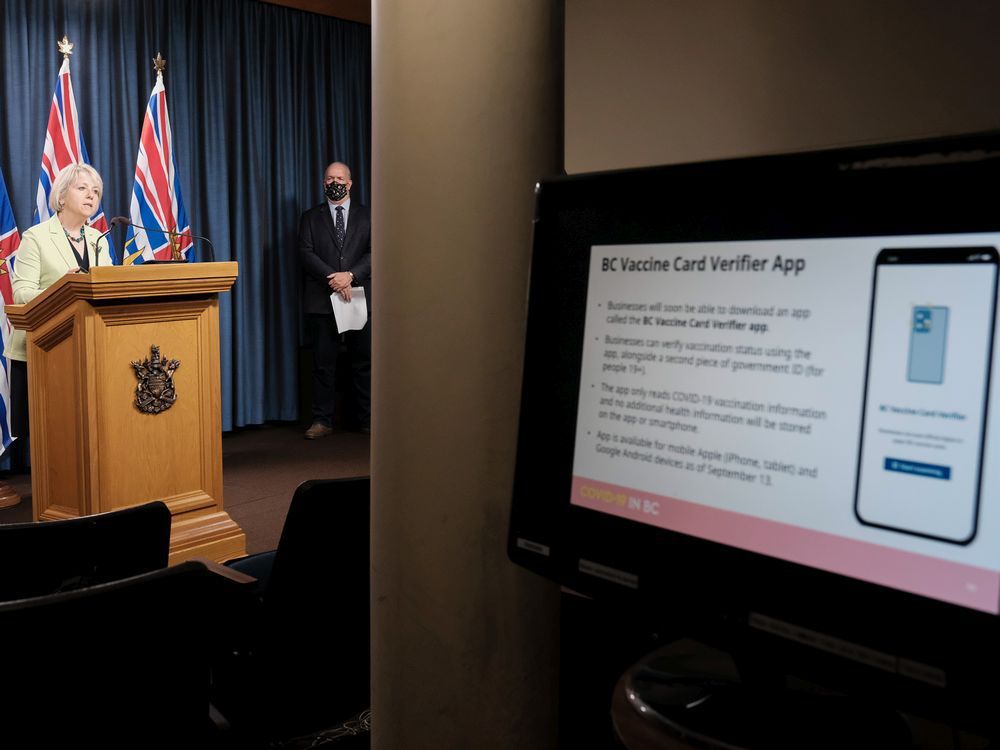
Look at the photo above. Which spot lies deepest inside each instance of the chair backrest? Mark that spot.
(121, 664)
(316, 603)
(49, 556)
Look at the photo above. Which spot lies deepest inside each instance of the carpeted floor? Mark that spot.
(262, 466)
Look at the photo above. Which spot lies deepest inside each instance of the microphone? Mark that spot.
(111, 225)
(170, 234)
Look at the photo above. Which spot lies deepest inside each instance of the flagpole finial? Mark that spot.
(66, 47)
(159, 64)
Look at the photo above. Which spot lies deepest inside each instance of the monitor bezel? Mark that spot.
(920, 187)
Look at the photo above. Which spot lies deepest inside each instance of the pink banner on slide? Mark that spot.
(957, 583)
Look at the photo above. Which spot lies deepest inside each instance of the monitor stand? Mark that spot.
(689, 695)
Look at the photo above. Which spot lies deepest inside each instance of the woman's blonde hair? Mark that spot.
(65, 179)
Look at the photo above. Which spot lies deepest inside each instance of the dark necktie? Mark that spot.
(338, 233)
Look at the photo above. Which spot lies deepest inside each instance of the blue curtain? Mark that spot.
(261, 98)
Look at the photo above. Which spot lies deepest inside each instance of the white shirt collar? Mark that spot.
(346, 205)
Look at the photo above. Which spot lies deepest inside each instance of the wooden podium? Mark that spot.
(92, 448)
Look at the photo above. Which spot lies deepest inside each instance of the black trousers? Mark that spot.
(326, 345)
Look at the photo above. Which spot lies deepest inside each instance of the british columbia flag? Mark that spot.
(156, 192)
(9, 240)
(64, 145)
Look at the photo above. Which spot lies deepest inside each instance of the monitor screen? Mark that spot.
(825, 401)
(765, 390)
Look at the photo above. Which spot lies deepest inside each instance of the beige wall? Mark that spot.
(466, 118)
(666, 81)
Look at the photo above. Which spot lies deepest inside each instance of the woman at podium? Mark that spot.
(49, 250)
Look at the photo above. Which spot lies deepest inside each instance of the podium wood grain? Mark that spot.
(92, 449)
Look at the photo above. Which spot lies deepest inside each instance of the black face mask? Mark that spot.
(336, 191)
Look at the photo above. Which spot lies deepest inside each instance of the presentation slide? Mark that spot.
(751, 394)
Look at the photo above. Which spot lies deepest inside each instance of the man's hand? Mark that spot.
(340, 283)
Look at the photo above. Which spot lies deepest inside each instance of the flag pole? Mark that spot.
(159, 65)
(66, 47)
(10, 239)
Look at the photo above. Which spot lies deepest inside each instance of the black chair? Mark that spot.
(121, 664)
(50, 556)
(308, 667)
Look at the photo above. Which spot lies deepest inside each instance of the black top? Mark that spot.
(82, 261)
(320, 255)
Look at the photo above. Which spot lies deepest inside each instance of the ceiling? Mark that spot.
(349, 10)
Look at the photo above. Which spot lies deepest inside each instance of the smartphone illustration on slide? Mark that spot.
(926, 391)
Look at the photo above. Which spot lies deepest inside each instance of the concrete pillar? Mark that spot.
(467, 103)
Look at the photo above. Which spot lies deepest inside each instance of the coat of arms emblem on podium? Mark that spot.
(155, 392)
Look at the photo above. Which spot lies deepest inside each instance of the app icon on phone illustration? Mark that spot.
(928, 339)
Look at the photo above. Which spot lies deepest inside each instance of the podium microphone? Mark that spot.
(169, 233)
(111, 225)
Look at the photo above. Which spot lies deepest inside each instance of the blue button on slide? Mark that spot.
(914, 467)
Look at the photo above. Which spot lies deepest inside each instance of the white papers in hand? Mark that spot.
(351, 316)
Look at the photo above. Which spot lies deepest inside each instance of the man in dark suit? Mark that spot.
(336, 251)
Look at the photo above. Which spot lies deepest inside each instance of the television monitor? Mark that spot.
(761, 396)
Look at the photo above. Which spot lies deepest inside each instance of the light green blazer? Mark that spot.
(43, 258)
